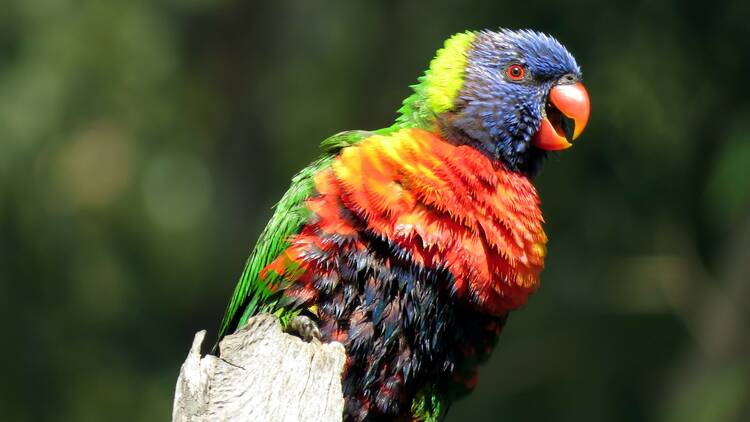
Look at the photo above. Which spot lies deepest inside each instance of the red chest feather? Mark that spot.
(448, 207)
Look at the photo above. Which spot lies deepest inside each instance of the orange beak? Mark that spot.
(567, 113)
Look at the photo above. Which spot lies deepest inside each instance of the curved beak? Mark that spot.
(566, 115)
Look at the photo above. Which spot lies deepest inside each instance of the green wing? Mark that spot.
(252, 294)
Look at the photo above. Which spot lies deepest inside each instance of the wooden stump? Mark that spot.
(263, 374)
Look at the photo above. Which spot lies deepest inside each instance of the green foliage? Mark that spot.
(728, 189)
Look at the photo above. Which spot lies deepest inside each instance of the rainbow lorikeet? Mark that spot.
(411, 244)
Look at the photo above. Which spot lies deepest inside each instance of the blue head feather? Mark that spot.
(499, 116)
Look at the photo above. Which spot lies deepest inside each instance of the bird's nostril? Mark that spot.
(568, 79)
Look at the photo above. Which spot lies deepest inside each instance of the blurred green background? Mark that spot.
(142, 144)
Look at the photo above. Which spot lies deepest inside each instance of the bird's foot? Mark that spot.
(304, 327)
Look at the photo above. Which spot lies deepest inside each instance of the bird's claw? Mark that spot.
(304, 327)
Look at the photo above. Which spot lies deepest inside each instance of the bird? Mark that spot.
(411, 244)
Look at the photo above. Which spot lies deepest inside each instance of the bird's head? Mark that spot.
(511, 94)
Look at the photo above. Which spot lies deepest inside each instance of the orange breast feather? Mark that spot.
(446, 206)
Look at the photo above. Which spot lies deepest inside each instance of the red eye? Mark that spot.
(515, 72)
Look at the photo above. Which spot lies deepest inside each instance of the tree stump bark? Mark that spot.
(263, 374)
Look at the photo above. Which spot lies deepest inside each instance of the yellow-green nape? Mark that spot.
(446, 74)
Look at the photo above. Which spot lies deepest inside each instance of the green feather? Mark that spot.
(252, 295)
(428, 406)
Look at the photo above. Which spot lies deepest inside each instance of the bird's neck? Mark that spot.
(416, 113)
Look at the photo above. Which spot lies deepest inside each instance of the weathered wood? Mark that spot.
(263, 374)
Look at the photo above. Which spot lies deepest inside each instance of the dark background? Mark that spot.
(142, 144)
